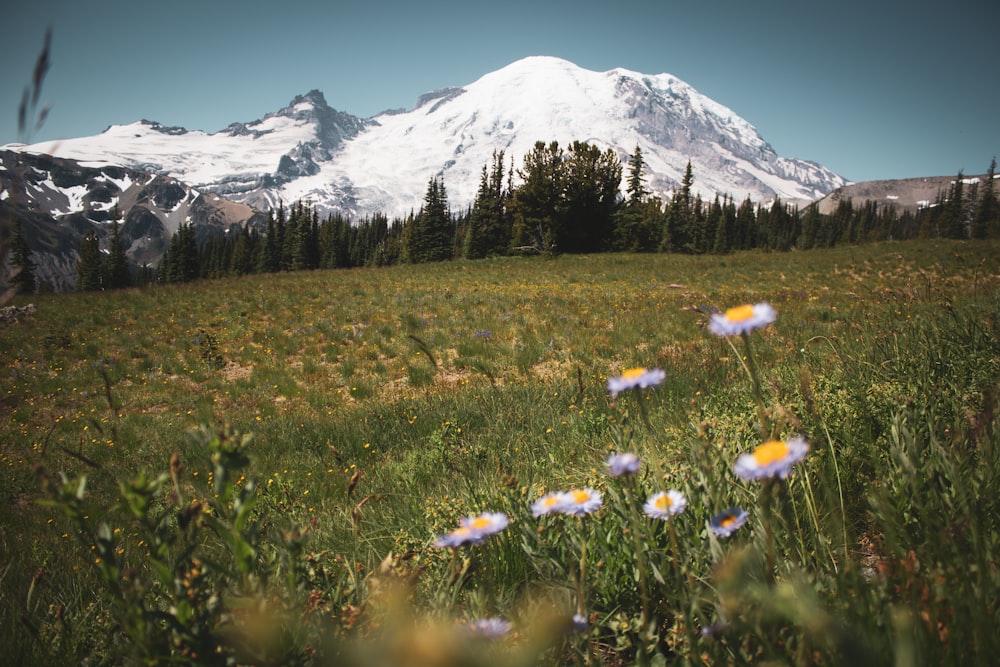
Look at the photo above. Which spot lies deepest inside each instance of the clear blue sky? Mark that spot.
(869, 88)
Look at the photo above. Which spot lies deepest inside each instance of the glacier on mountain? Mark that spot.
(310, 152)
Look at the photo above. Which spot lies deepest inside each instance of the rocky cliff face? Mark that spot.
(59, 201)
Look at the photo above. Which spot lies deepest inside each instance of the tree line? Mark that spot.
(564, 201)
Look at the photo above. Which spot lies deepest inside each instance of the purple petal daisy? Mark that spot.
(623, 464)
(636, 378)
(665, 504)
(772, 459)
(725, 523)
(742, 319)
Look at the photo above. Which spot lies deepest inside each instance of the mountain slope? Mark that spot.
(905, 194)
(544, 99)
(59, 201)
(338, 162)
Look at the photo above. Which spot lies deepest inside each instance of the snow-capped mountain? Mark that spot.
(338, 162)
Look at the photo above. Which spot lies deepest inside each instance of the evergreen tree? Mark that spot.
(297, 239)
(677, 234)
(781, 228)
(488, 232)
(20, 255)
(312, 250)
(430, 238)
(810, 228)
(627, 220)
(746, 223)
(280, 251)
(714, 222)
(536, 204)
(952, 223)
(119, 275)
(145, 275)
(241, 260)
(698, 227)
(269, 259)
(986, 222)
(636, 188)
(636, 221)
(90, 265)
(183, 263)
(334, 239)
(726, 227)
(591, 182)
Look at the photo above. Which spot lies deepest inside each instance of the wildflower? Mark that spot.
(636, 378)
(580, 623)
(550, 502)
(459, 537)
(724, 523)
(473, 530)
(622, 464)
(489, 628)
(581, 501)
(665, 504)
(742, 319)
(487, 523)
(774, 458)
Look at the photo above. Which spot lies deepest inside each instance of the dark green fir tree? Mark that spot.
(90, 266)
(430, 237)
(986, 222)
(23, 266)
(119, 275)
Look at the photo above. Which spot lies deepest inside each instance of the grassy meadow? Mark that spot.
(256, 470)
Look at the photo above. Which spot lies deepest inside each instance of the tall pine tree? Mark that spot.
(536, 204)
(591, 183)
(678, 232)
(636, 187)
(953, 224)
(986, 222)
(638, 222)
(90, 265)
(488, 231)
(119, 275)
(430, 237)
(20, 256)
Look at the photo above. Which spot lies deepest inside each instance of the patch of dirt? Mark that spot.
(233, 372)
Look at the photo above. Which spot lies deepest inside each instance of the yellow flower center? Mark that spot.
(633, 373)
(740, 313)
(549, 501)
(480, 522)
(727, 520)
(770, 452)
(663, 502)
(580, 496)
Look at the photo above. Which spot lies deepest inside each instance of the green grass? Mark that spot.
(468, 386)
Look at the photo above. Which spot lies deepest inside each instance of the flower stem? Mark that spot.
(639, 557)
(767, 514)
(581, 593)
(637, 393)
(751, 369)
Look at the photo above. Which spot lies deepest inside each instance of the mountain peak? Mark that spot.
(313, 97)
(309, 151)
(541, 62)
